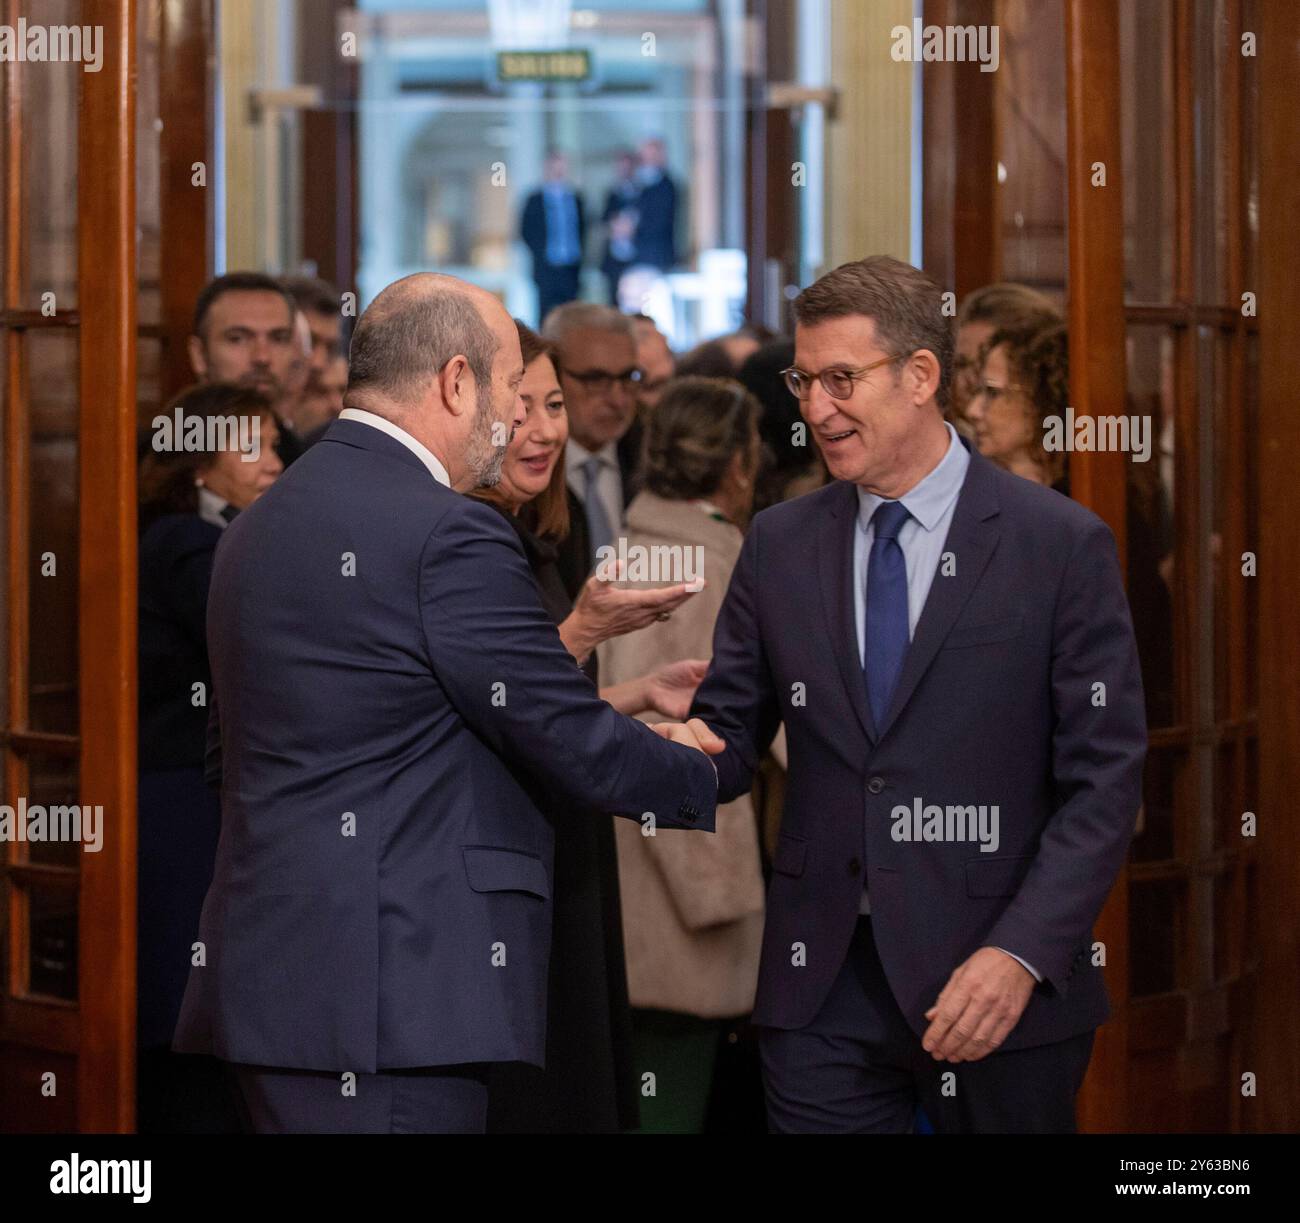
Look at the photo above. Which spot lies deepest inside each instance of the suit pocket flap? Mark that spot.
(790, 855)
(996, 876)
(505, 870)
(984, 634)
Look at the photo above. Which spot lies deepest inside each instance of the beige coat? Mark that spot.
(692, 902)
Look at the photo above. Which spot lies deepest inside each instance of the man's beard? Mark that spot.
(483, 457)
(265, 382)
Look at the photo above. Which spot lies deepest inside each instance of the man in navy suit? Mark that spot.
(392, 702)
(950, 650)
(554, 228)
(656, 244)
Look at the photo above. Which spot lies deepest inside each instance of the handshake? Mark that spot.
(692, 734)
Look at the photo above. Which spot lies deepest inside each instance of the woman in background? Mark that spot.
(587, 1085)
(791, 464)
(1024, 381)
(187, 497)
(986, 310)
(692, 908)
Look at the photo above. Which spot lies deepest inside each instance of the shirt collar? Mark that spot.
(421, 452)
(576, 454)
(210, 507)
(929, 500)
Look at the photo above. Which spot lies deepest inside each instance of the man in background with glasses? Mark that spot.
(599, 376)
(950, 651)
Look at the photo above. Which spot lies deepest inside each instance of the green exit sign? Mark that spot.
(543, 65)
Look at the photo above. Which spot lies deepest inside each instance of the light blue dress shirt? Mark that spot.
(562, 249)
(931, 504)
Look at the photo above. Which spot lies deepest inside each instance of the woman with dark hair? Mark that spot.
(986, 310)
(710, 359)
(791, 464)
(1024, 381)
(217, 457)
(587, 1085)
(692, 913)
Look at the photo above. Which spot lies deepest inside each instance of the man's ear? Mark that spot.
(923, 368)
(457, 386)
(198, 358)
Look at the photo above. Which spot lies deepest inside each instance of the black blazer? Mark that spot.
(588, 1085)
(656, 228)
(175, 562)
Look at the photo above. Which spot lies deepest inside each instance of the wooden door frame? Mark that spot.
(961, 241)
(1276, 1054)
(108, 289)
(1095, 279)
(962, 249)
(187, 212)
(330, 227)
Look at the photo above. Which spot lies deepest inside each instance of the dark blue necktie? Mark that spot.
(885, 633)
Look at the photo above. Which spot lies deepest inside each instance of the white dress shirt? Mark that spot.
(421, 452)
(210, 507)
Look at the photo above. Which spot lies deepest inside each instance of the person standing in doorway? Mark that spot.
(554, 229)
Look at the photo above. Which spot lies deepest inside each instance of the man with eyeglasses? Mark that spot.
(950, 651)
(599, 376)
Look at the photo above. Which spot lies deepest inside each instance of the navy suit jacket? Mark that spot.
(996, 704)
(657, 224)
(393, 707)
(533, 229)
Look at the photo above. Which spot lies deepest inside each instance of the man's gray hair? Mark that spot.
(404, 338)
(585, 316)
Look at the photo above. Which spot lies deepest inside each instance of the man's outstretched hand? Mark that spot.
(669, 689)
(693, 734)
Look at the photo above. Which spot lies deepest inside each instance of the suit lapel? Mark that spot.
(835, 563)
(972, 539)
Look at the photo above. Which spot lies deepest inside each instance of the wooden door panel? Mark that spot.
(67, 1008)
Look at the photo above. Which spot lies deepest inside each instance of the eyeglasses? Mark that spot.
(837, 383)
(601, 382)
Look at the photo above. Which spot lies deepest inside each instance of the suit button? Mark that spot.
(875, 785)
(855, 867)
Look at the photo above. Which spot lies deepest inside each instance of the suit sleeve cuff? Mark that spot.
(1023, 963)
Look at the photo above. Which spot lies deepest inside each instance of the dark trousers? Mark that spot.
(555, 287)
(429, 1100)
(182, 1093)
(613, 274)
(858, 1068)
